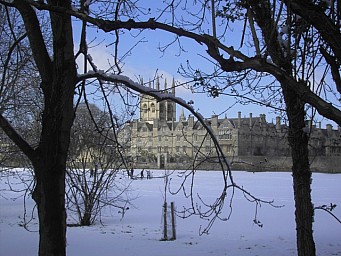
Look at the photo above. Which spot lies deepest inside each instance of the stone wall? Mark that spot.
(257, 163)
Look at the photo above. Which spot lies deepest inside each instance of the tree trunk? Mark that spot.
(50, 163)
(58, 115)
(51, 154)
(298, 140)
(49, 196)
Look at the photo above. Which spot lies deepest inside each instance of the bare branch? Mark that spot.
(315, 15)
(16, 138)
(11, 49)
(253, 30)
(328, 209)
(35, 37)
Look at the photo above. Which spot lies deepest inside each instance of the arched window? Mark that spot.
(169, 109)
(145, 108)
(163, 113)
(162, 108)
(152, 106)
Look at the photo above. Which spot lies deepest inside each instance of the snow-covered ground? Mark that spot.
(139, 233)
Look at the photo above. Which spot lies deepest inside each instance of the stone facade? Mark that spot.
(159, 140)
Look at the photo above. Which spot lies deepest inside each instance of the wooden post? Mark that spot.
(165, 237)
(173, 221)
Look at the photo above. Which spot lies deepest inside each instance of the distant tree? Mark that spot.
(15, 100)
(94, 175)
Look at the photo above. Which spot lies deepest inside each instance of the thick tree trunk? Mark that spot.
(57, 121)
(51, 154)
(49, 196)
(304, 212)
(298, 140)
(50, 164)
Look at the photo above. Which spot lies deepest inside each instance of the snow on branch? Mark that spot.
(214, 47)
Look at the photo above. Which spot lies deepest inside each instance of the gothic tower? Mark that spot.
(151, 109)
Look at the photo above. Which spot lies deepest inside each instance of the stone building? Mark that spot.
(158, 139)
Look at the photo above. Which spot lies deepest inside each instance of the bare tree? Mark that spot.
(54, 79)
(59, 80)
(48, 154)
(94, 178)
(15, 100)
(90, 192)
(285, 58)
(295, 57)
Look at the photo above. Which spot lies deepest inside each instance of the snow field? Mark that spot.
(140, 231)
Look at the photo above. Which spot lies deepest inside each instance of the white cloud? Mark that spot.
(103, 60)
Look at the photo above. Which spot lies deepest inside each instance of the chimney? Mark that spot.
(278, 123)
(214, 120)
(239, 118)
(250, 120)
(261, 120)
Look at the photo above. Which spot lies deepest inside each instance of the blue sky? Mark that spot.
(145, 60)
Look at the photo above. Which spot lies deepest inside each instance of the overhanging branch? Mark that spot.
(214, 47)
